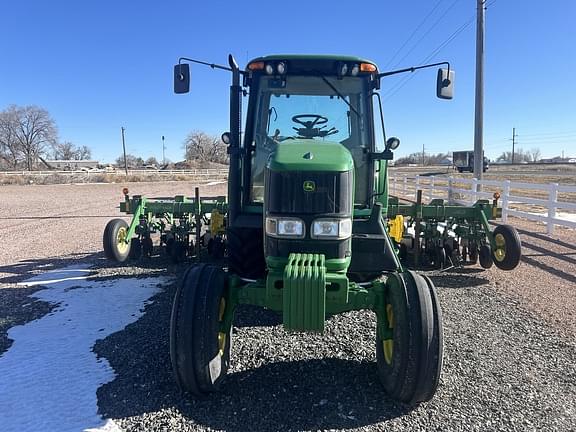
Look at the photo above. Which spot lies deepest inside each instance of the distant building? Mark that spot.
(557, 159)
(72, 165)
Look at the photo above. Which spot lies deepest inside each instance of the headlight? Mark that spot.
(285, 227)
(332, 228)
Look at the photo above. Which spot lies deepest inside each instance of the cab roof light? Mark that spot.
(256, 66)
(368, 67)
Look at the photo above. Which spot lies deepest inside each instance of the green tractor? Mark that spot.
(307, 228)
(306, 232)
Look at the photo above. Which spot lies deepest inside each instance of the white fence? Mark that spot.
(215, 172)
(542, 203)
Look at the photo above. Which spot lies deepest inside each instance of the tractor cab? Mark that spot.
(310, 104)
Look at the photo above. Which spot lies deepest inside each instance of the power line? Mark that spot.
(446, 42)
(426, 33)
(413, 33)
(450, 38)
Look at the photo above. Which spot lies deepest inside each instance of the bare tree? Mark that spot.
(10, 151)
(35, 131)
(205, 148)
(64, 151)
(535, 152)
(68, 151)
(84, 153)
(152, 161)
(519, 156)
(131, 160)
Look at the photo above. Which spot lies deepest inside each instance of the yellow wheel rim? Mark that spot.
(388, 344)
(500, 251)
(221, 343)
(221, 335)
(121, 243)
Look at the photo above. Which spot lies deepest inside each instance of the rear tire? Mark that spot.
(410, 362)
(115, 233)
(199, 352)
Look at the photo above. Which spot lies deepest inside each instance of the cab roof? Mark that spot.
(313, 57)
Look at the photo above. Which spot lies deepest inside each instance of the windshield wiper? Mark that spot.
(339, 94)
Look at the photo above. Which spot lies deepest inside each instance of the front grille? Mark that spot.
(331, 194)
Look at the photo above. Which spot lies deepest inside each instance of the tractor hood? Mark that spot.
(310, 155)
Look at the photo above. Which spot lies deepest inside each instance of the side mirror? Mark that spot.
(182, 78)
(226, 138)
(392, 143)
(445, 84)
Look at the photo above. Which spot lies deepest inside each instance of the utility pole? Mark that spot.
(423, 154)
(124, 149)
(513, 142)
(163, 148)
(479, 97)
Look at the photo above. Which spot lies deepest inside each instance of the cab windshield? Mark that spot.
(311, 108)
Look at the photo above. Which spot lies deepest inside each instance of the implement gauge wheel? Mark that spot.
(147, 246)
(485, 256)
(409, 355)
(199, 350)
(508, 250)
(135, 249)
(115, 241)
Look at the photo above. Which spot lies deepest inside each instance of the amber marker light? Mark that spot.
(496, 195)
(125, 191)
(367, 67)
(256, 66)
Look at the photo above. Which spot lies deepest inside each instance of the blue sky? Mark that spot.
(99, 65)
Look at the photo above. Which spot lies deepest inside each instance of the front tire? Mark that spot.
(199, 351)
(409, 353)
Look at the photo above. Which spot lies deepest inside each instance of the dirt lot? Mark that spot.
(43, 222)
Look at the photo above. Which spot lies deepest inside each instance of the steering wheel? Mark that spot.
(316, 119)
(315, 127)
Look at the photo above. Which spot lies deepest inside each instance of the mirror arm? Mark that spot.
(212, 65)
(381, 115)
(412, 69)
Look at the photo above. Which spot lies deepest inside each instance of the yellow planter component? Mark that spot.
(216, 222)
(396, 228)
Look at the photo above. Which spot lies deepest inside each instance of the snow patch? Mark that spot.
(50, 375)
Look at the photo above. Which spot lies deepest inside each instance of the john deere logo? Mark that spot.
(309, 186)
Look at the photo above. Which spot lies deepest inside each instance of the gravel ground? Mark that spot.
(504, 370)
(509, 337)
